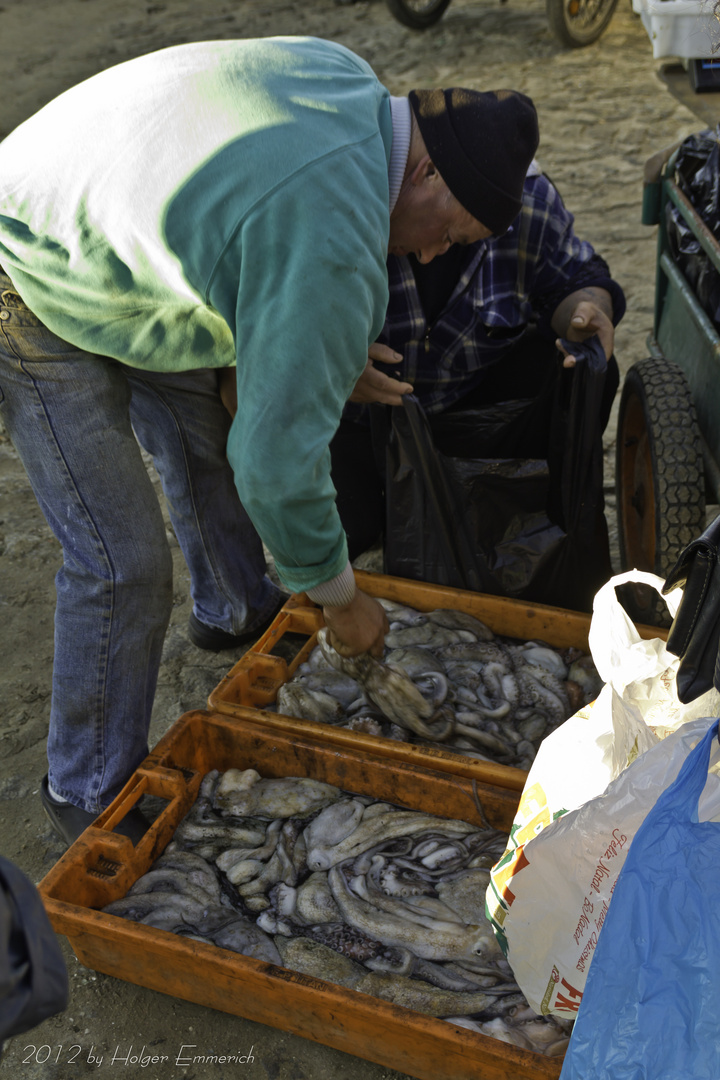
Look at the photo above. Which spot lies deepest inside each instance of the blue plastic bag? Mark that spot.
(651, 1007)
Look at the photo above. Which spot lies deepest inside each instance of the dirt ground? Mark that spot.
(603, 110)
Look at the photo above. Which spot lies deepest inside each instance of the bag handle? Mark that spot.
(695, 630)
(613, 634)
(683, 796)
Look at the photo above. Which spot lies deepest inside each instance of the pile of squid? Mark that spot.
(382, 900)
(445, 678)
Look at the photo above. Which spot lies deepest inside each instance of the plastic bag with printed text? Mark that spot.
(592, 784)
(651, 1002)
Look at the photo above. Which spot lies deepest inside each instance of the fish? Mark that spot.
(365, 723)
(244, 793)
(331, 826)
(390, 690)
(369, 830)
(535, 690)
(168, 879)
(401, 613)
(139, 906)
(464, 892)
(539, 655)
(423, 998)
(445, 678)
(342, 938)
(461, 620)
(201, 823)
(433, 686)
(135, 906)
(243, 936)
(342, 687)
(315, 902)
(378, 898)
(231, 857)
(415, 661)
(405, 636)
(442, 975)
(313, 958)
(296, 699)
(198, 870)
(436, 941)
(503, 1030)
(582, 673)
(532, 727)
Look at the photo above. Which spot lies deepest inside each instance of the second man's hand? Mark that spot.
(357, 627)
(373, 386)
(580, 315)
(586, 321)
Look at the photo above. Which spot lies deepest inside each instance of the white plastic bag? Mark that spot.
(640, 674)
(590, 787)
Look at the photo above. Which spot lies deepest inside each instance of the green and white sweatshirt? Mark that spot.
(217, 204)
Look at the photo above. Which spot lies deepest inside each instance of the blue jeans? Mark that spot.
(76, 420)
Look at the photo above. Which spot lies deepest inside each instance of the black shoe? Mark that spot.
(214, 640)
(70, 822)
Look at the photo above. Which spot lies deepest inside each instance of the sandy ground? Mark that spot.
(603, 111)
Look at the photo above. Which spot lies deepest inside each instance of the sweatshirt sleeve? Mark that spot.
(304, 283)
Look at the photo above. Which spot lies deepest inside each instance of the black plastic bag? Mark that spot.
(531, 528)
(697, 171)
(695, 632)
(33, 975)
(690, 258)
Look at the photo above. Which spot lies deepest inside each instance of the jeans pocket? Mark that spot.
(25, 339)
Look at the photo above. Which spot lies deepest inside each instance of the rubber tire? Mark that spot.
(570, 30)
(659, 479)
(418, 18)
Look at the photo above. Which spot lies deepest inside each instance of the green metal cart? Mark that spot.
(668, 437)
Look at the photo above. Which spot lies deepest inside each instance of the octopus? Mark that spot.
(358, 892)
(445, 678)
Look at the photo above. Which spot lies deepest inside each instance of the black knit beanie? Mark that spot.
(482, 143)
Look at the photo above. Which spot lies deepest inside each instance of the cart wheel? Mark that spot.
(659, 479)
(578, 22)
(418, 14)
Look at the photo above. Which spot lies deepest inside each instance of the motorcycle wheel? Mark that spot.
(418, 14)
(578, 22)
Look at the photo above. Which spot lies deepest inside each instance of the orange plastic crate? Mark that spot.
(253, 682)
(101, 866)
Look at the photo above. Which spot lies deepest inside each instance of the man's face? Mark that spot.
(427, 220)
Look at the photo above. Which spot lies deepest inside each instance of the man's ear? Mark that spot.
(424, 170)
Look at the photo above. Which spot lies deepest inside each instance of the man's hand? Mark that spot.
(586, 320)
(374, 386)
(358, 627)
(582, 314)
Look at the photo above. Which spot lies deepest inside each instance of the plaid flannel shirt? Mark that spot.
(507, 283)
